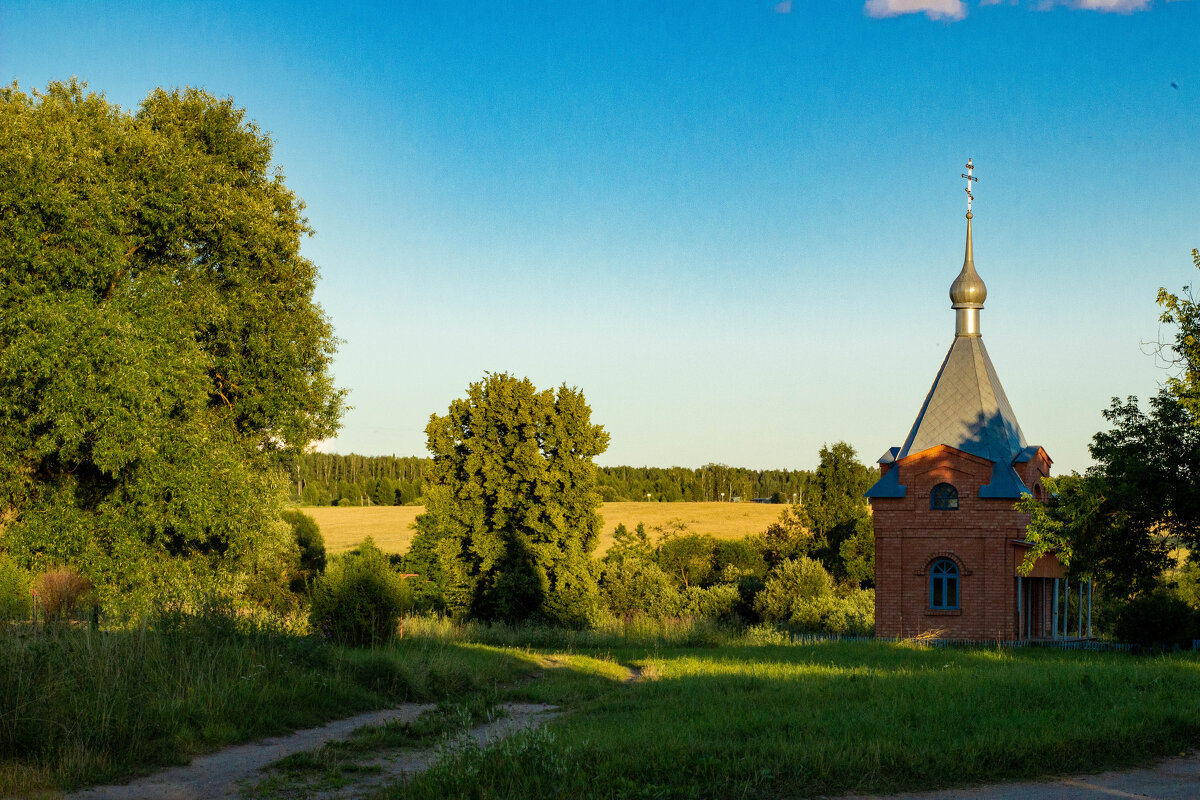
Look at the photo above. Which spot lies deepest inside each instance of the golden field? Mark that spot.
(391, 526)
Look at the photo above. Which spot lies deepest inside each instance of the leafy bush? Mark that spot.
(575, 603)
(795, 582)
(858, 554)
(359, 599)
(714, 602)
(852, 614)
(1157, 618)
(16, 591)
(628, 544)
(687, 558)
(629, 587)
(738, 557)
(787, 538)
(1187, 583)
(801, 592)
(60, 592)
(428, 589)
(312, 548)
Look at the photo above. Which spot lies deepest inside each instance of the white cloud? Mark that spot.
(783, 7)
(957, 9)
(934, 9)
(1119, 6)
(1103, 6)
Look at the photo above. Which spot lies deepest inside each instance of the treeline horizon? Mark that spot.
(326, 479)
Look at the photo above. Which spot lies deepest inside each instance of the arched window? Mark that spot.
(944, 497)
(943, 585)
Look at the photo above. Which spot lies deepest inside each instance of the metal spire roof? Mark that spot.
(966, 407)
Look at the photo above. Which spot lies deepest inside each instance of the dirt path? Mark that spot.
(220, 774)
(1171, 779)
(224, 774)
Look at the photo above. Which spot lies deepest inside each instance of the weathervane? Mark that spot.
(969, 177)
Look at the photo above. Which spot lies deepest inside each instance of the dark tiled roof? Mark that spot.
(966, 409)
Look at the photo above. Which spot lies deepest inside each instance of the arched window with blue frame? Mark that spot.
(944, 497)
(943, 585)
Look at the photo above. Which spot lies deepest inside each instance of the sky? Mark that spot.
(732, 225)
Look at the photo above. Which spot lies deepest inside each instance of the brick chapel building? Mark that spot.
(947, 539)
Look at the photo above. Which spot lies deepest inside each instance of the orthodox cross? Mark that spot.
(969, 177)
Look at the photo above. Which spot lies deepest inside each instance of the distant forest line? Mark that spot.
(325, 479)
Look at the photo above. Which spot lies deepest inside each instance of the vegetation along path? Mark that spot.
(1171, 779)
(228, 773)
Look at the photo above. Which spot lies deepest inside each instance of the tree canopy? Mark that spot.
(512, 499)
(839, 516)
(1120, 521)
(1183, 311)
(159, 344)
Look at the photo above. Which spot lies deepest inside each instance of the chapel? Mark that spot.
(948, 541)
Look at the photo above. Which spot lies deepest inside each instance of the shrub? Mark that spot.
(630, 587)
(748, 587)
(740, 557)
(576, 601)
(1156, 618)
(630, 545)
(794, 583)
(1187, 583)
(801, 593)
(312, 548)
(857, 554)
(715, 602)
(687, 558)
(16, 598)
(785, 539)
(60, 592)
(852, 615)
(359, 599)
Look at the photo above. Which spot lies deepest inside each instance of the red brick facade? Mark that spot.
(983, 537)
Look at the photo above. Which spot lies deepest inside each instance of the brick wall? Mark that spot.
(979, 536)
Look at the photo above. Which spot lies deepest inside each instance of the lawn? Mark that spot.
(766, 721)
(390, 526)
(682, 710)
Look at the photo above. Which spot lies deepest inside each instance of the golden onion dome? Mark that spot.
(968, 289)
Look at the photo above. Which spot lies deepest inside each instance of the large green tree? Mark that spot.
(159, 345)
(1119, 521)
(839, 516)
(511, 502)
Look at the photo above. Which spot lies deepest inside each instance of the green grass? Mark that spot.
(663, 710)
(339, 763)
(82, 707)
(785, 721)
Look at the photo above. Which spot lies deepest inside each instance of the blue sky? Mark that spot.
(732, 225)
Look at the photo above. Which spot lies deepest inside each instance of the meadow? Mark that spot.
(391, 526)
(664, 710)
(757, 715)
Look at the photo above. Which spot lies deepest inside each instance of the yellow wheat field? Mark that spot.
(391, 526)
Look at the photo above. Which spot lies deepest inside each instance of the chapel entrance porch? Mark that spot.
(1053, 609)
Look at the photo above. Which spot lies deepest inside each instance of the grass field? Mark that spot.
(751, 718)
(662, 710)
(390, 526)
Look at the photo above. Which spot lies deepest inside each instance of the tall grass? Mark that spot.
(615, 633)
(79, 706)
